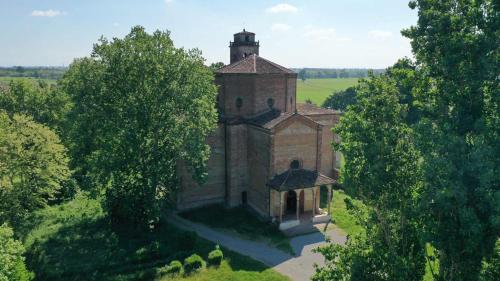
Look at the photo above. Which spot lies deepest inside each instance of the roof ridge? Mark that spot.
(282, 68)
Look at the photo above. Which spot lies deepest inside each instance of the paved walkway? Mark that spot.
(298, 268)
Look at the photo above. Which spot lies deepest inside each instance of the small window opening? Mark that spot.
(270, 102)
(247, 38)
(295, 164)
(244, 198)
(291, 101)
(239, 103)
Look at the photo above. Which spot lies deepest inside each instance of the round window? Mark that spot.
(239, 103)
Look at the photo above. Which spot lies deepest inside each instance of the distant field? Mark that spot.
(319, 89)
(6, 80)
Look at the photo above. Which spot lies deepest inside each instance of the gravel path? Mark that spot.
(299, 268)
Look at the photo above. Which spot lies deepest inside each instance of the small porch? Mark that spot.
(295, 198)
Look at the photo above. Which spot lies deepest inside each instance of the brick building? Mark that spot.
(269, 152)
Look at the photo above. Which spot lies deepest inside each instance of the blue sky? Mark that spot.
(313, 33)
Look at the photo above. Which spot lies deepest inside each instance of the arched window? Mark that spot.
(295, 164)
(270, 102)
(239, 103)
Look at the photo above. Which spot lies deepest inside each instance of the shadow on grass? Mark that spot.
(240, 220)
(75, 241)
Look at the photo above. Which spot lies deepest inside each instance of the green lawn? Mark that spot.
(341, 218)
(74, 241)
(319, 89)
(232, 220)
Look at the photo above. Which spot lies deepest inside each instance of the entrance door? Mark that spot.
(291, 202)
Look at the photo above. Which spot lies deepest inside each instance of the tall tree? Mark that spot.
(142, 107)
(33, 167)
(340, 100)
(457, 43)
(302, 75)
(382, 168)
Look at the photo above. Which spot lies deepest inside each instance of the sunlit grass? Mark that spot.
(317, 90)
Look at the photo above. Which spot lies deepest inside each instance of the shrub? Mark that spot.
(187, 241)
(215, 257)
(192, 263)
(174, 267)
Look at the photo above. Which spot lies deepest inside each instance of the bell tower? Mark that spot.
(243, 46)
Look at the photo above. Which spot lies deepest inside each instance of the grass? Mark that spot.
(230, 270)
(341, 218)
(74, 241)
(319, 89)
(217, 216)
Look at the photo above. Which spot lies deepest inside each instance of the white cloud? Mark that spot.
(116, 24)
(48, 13)
(380, 34)
(168, 2)
(323, 34)
(280, 27)
(282, 8)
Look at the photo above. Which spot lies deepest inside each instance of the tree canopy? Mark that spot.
(142, 107)
(456, 43)
(45, 103)
(33, 166)
(422, 150)
(12, 266)
(382, 169)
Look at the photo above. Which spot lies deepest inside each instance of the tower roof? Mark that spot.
(245, 32)
(254, 64)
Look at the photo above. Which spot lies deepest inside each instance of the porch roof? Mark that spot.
(298, 178)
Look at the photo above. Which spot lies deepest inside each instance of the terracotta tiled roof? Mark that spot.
(254, 64)
(311, 109)
(298, 178)
(269, 119)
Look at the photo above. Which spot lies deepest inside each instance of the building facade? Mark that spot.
(268, 152)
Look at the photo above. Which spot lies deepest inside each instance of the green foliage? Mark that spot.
(491, 265)
(382, 169)
(45, 103)
(75, 241)
(216, 66)
(341, 99)
(33, 167)
(32, 72)
(142, 108)
(302, 75)
(193, 263)
(215, 257)
(341, 208)
(456, 43)
(175, 267)
(12, 267)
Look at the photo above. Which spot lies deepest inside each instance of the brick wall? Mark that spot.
(236, 139)
(259, 146)
(213, 191)
(296, 141)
